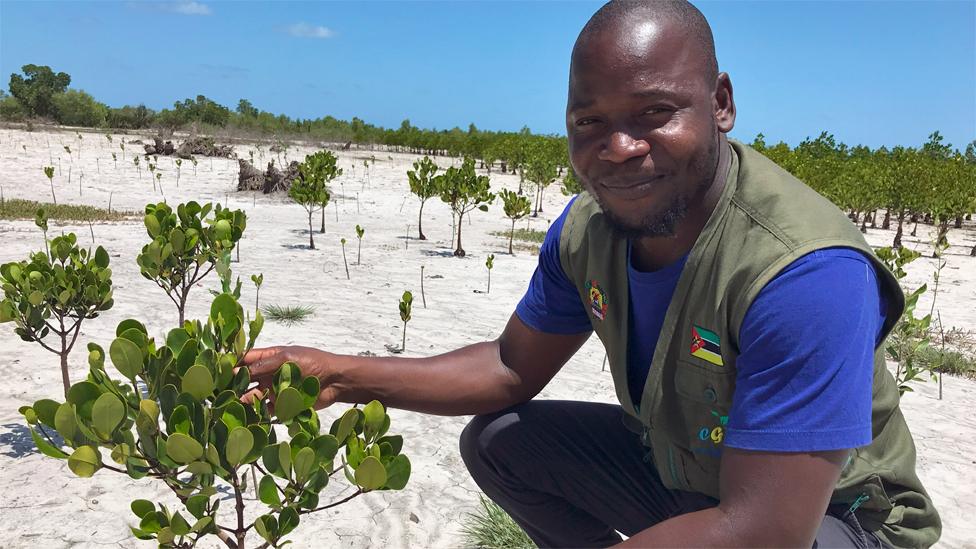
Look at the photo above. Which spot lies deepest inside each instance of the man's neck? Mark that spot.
(653, 253)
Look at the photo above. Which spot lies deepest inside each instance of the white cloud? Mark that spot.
(304, 30)
(190, 8)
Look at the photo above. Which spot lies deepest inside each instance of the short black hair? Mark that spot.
(682, 12)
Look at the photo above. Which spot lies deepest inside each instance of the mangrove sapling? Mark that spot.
(489, 263)
(186, 245)
(342, 241)
(159, 181)
(359, 235)
(194, 162)
(54, 293)
(422, 184)
(257, 280)
(115, 161)
(464, 191)
(208, 438)
(49, 173)
(406, 303)
(135, 160)
(179, 163)
(541, 170)
(122, 146)
(40, 220)
(516, 207)
(308, 195)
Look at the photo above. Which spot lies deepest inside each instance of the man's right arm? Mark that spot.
(477, 379)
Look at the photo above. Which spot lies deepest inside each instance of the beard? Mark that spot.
(663, 221)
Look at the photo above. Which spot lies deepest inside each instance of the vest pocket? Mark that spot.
(704, 386)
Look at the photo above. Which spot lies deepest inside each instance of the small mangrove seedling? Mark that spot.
(54, 293)
(122, 146)
(359, 235)
(67, 149)
(49, 173)
(186, 245)
(516, 207)
(179, 163)
(108, 136)
(175, 415)
(115, 161)
(342, 241)
(159, 181)
(194, 162)
(489, 263)
(406, 303)
(257, 279)
(135, 160)
(422, 184)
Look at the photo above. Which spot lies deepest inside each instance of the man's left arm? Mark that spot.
(767, 499)
(802, 401)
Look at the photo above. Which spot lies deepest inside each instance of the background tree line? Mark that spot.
(933, 184)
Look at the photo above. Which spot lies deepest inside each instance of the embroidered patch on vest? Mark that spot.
(705, 344)
(598, 299)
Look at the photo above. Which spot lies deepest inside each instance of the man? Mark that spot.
(743, 316)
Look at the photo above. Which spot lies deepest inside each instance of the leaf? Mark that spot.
(45, 447)
(326, 447)
(310, 390)
(84, 461)
(239, 444)
(288, 404)
(267, 527)
(65, 422)
(198, 382)
(107, 414)
(179, 525)
(127, 357)
(140, 507)
(347, 423)
(287, 521)
(398, 473)
(268, 491)
(304, 464)
(370, 475)
(45, 410)
(234, 415)
(197, 505)
(182, 449)
(374, 415)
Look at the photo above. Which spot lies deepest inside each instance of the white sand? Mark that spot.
(44, 505)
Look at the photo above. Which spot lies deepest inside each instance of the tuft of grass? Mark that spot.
(492, 528)
(15, 208)
(525, 235)
(288, 314)
(948, 362)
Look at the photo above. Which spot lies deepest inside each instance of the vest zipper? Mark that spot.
(673, 469)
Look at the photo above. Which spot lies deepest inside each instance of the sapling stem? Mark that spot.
(422, 296)
(344, 262)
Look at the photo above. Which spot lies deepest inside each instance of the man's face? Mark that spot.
(641, 124)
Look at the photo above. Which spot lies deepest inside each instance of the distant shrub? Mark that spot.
(130, 118)
(10, 109)
(78, 108)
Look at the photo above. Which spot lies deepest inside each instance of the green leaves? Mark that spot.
(182, 449)
(84, 461)
(127, 357)
(406, 304)
(207, 436)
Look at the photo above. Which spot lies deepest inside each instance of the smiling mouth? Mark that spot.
(633, 187)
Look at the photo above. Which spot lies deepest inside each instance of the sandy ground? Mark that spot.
(44, 505)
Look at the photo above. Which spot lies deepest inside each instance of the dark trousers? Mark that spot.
(572, 475)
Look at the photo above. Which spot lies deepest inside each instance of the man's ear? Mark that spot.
(724, 105)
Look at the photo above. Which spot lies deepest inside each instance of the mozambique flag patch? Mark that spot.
(705, 345)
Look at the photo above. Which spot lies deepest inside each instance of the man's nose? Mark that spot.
(621, 147)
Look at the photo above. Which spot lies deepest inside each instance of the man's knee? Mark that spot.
(470, 443)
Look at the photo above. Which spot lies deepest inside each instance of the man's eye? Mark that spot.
(585, 122)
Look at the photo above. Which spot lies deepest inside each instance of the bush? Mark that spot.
(130, 118)
(10, 109)
(78, 108)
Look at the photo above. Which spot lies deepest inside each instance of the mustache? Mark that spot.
(623, 182)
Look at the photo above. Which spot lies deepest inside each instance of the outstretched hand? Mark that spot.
(264, 363)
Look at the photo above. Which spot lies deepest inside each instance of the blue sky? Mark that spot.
(873, 73)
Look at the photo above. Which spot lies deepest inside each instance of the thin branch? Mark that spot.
(333, 504)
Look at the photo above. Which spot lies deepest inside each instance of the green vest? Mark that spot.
(764, 220)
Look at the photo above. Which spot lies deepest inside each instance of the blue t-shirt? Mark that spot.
(805, 369)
